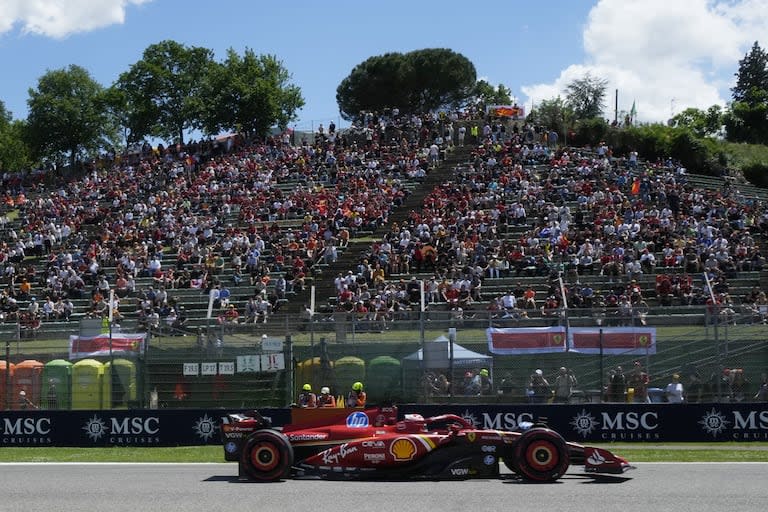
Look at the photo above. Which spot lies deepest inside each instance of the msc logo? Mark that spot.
(26, 426)
(357, 420)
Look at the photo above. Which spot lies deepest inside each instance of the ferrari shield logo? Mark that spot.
(471, 437)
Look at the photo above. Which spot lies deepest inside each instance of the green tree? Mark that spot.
(165, 87)
(486, 94)
(752, 77)
(747, 120)
(418, 81)
(14, 151)
(554, 114)
(701, 123)
(249, 94)
(67, 116)
(586, 96)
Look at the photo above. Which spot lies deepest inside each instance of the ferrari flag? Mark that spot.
(614, 340)
(119, 344)
(529, 340)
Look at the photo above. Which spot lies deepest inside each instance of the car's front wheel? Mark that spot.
(540, 455)
(267, 456)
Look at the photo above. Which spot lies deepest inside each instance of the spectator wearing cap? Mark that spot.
(325, 398)
(539, 390)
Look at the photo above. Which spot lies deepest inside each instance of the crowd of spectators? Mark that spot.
(205, 217)
(522, 207)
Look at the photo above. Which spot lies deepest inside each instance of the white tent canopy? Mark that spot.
(438, 356)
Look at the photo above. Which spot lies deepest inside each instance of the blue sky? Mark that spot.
(664, 55)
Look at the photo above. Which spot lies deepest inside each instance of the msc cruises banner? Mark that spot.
(538, 340)
(581, 423)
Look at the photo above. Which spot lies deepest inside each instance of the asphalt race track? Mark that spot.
(214, 487)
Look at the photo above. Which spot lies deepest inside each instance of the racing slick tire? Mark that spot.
(540, 455)
(267, 456)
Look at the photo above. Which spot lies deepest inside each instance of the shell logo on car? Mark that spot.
(403, 449)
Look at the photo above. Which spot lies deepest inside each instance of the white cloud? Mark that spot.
(61, 18)
(664, 54)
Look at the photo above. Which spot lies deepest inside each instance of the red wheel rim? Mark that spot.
(542, 455)
(265, 457)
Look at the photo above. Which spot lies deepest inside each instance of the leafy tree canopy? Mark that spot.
(162, 90)
(249, 93)
(67, 115)
(586, 96)
(702, 123)
(486, 94)
(418, 81)
(14, 151)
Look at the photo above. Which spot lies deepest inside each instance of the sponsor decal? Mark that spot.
(488, 448)
(714, 422)
(374, 457)
(471, 436)
(749, 425)
(460, 471)
(357, 420)
(230, 447)
(467, 415)
(373, 444)
(489, 460)
(205, 428)
(621, 425)
(123, 431)
(334, 455)
(402, 449)
(25, 431)
(494, 437)
(310, 436)
(596, 459)
(505, 421)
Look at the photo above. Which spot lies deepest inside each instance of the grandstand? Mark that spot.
(302, 234)
(368, 220)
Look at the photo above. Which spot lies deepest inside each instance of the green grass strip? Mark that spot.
(699, 452)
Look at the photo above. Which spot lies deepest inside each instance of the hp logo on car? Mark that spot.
(357, 420)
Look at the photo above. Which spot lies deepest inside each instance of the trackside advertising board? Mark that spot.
(581, 423)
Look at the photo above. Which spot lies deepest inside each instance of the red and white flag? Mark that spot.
(102, 345)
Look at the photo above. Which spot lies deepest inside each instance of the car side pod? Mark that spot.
(601, 461)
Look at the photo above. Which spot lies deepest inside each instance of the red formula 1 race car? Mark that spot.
(375, 444)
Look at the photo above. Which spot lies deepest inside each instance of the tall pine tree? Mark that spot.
(747, 120)
(752, 77)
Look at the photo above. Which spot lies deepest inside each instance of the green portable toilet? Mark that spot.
(87, 376)
(57, 385)
(27, 377)
(383, 379)
(119, 384)
(5, 369)
(348, 370)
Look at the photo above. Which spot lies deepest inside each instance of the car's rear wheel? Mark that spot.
(540, 455)
(267, 456)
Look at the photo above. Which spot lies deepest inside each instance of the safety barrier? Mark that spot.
(581, 423)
